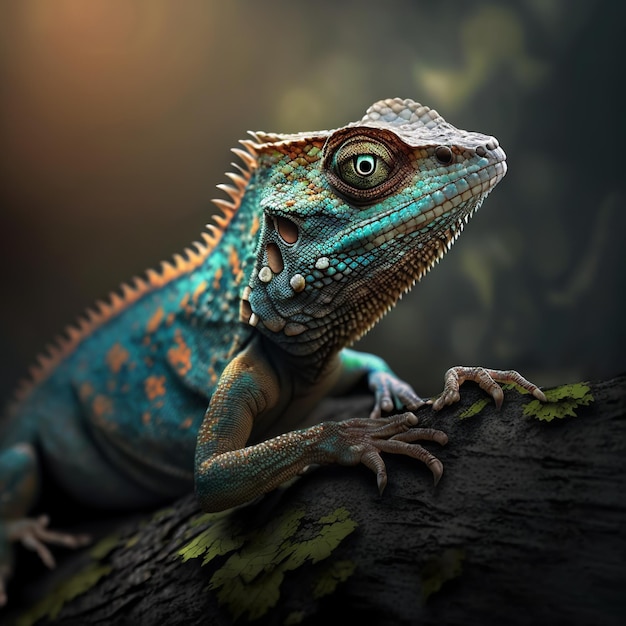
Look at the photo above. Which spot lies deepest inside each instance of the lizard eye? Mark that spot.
(363, 164)
(366, 165)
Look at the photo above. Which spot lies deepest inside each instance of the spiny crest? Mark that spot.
(93, 318)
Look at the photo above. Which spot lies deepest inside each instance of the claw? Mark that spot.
(373, 461)
(362, 440)
(391, 393)
(498, 395)
(381, 482)
(436, 467)
(487, 379)
(34, 534)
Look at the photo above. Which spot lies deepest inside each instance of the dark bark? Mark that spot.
(526, 526)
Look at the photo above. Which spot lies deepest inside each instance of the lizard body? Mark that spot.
(321, 235)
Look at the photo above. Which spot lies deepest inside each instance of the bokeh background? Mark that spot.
(116, 119)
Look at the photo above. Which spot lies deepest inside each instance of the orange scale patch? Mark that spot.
(179, 356)
(116, 357)
(101, 406)
(217, 278)
(198, 291)
(155, 320)
(85, 390)
(154, 387)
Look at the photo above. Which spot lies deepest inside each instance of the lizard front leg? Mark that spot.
(229, 473)
(390, 393)
(487, 379)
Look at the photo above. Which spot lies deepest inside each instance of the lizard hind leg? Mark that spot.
(19, 489)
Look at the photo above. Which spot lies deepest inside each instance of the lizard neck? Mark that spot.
(326, 314)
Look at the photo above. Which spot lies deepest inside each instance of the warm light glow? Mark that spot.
(107, 53)
(90, 76)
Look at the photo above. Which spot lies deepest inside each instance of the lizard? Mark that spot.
(319, 236)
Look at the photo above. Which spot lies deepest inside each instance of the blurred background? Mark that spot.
(116, 119)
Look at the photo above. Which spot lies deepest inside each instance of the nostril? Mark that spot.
(492, 144)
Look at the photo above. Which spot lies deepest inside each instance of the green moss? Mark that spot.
(295, 617)
(475, 409)
(52, 604)
(250, 580)
(104, 546)
(131, 541)
(562, 401)
(333, 529)
(220, 538)
(440, 569)
(163, 514)
(331, 576)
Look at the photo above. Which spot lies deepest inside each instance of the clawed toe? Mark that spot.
(487, 379)
(33, 534)
(391, 393)
(363, 440)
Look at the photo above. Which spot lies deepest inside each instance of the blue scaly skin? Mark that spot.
(322, 234)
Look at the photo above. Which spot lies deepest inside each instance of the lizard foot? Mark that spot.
(391, 393)
(361, 440)
(33, 534)
(487, 380)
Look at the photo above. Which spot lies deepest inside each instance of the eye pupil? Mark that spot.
(365, 164)
(444, 155)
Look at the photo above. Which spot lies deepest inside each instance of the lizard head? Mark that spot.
(354, 217)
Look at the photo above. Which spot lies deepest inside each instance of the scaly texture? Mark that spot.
(320, 236)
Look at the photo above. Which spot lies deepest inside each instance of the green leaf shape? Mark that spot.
(480, 404)
(562, 402)
(104, 546)
(220, 538)
(440, 569)
(131, 541)
(295, 617)
(475, 409)
(51, 605)
(335, 527)
(331, 576)
(249, 581)
(163, 514)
